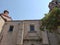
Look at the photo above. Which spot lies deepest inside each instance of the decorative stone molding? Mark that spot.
(54, 3)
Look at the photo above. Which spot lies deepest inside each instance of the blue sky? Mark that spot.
(25, 9)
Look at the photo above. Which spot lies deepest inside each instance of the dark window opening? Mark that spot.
(11, 28)
(32, 44)
(56, 2)
(32, 28)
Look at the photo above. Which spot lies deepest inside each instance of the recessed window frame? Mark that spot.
(32, 44)
(32, 27)
(11, 28)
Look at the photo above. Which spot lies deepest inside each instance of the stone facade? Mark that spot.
(21, 34)
(2, 22)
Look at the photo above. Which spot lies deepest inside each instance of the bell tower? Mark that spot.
(54, 3)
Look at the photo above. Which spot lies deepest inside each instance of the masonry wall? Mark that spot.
(11, 38)
(21, 34)
(1, 23)
(36, 32)
(32, 38)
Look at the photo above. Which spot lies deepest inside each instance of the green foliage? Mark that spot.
(51, 20)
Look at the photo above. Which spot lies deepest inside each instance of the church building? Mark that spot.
(25, 32)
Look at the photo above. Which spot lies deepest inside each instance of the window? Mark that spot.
(32, 28)
(11, 28)
(32, 44)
